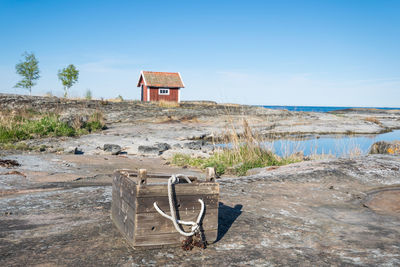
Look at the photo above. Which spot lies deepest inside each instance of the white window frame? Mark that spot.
(163, 89)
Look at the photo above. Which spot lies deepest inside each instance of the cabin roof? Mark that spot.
(161, 79)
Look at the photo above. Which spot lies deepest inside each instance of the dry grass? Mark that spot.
(373, 120)
(119, 98)
(168, 104)
(8, 118)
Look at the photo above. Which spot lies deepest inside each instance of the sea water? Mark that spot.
(321, 108)
(339, 146)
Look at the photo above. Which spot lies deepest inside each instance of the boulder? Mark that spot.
(163, 147)
(177, 146)
(383, 147)
(152, 150)
(114, 149)
(74, 120)
(195, 145)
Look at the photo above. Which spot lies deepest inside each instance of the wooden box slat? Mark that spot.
(175, 238)
(180, 189)
(184, 202)
(134, 215)
(153, 223)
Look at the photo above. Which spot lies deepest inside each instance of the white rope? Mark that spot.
(195, 225)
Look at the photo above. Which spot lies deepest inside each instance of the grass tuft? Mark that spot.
(27, 124)
(246, 151)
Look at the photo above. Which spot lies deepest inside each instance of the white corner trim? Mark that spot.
(141, 73)
(148, 93)
(181, 79)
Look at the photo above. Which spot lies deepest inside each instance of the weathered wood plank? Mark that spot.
(154, 223)
(169, 239)
(210, 174)
(129, 230)
(123, 204)
(182, 202)
(142, 177)
(116, 213)
(132, 174)
(127, 191)
(180, 189)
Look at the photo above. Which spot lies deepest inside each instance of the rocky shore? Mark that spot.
(55, 204)
(213, 117)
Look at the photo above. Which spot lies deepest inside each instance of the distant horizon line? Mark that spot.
(259, 105)
(328, 106)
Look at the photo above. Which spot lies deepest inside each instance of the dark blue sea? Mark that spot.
(321, 108)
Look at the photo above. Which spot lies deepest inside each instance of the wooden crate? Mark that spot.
(133, 213)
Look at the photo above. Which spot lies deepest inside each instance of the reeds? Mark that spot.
(243, 151)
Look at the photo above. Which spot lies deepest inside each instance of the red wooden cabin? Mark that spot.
(156, 86)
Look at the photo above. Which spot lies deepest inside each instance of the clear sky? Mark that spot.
(337, 53)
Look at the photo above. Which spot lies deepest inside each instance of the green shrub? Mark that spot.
(29, 125)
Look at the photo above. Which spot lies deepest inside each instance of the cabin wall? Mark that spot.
(173, 95)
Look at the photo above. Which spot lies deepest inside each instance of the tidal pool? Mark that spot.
(339, 146)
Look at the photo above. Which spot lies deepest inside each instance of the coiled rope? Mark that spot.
(174, 179)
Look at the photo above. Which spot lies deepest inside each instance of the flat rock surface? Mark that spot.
(55, 207)
(318, 213)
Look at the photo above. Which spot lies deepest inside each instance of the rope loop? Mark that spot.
(174, 179)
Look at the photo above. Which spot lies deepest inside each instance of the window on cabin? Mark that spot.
(163, 91)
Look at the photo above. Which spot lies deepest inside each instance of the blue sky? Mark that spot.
(337, 53)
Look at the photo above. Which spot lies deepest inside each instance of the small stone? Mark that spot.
(73, 150)
(114, 149)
